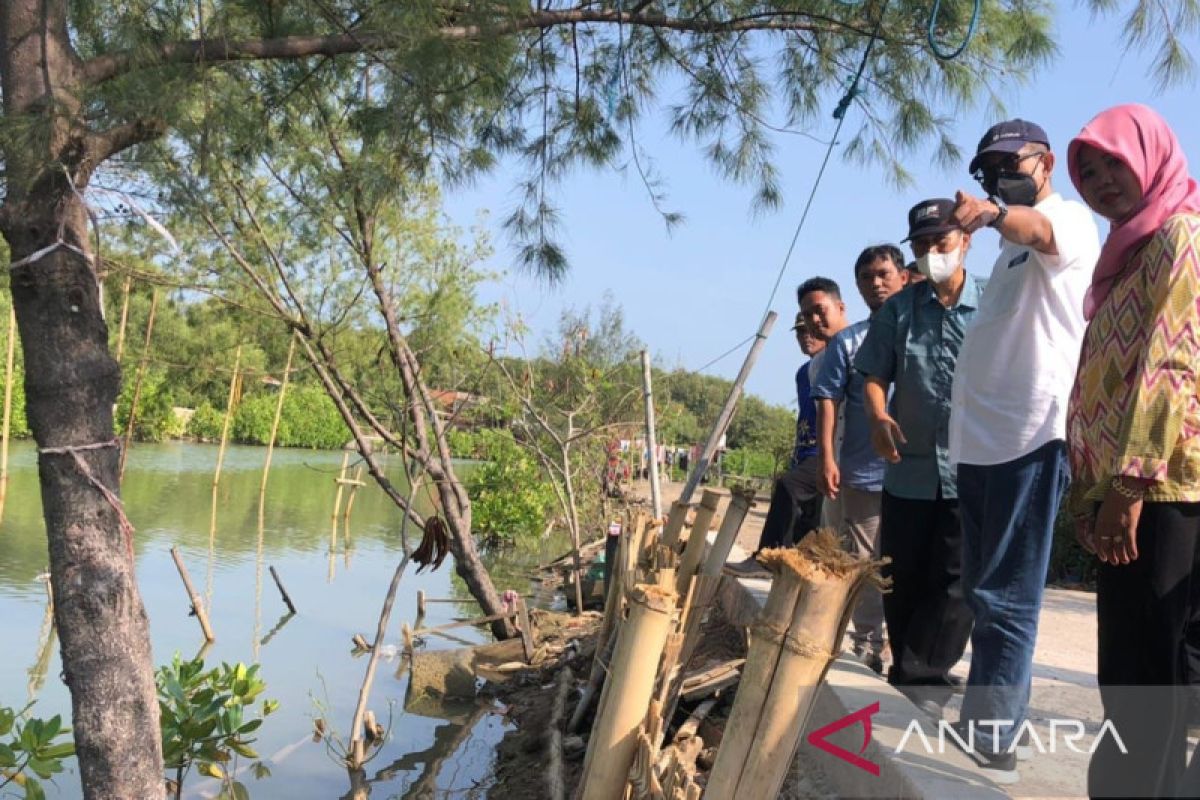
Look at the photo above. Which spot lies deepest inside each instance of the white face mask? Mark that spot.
(938, 267)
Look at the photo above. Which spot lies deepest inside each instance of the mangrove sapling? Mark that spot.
(203, 718)
(29, 747)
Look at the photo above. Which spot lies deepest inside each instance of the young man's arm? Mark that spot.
(876, 360)
(829, 481)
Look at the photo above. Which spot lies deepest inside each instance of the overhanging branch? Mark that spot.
(215, 51)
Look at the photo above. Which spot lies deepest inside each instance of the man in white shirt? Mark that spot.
(1008, 425)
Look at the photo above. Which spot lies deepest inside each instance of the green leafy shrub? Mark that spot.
(465, 444)
(309, 419)
(749, 463)
(204, 720)
(206, 423)
(510, 498)
(156, 420)
(29, 749)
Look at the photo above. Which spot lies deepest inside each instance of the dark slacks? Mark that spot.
(928, 620)
(795, 506)
(1143, 612)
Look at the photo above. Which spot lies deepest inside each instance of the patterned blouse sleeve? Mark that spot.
(1166, 382)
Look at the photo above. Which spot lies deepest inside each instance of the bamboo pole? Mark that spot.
(651, 440)
(287, 600)
(675, 521)
(723, 419)
(357, 755)
(124, 317)
(212, 548)
(693, 552)
(735, 514)
(287, 373)
(831, 581)
(6, 425)
(355, 484)
(761, 659)
(193, 597)
(229, 404)
(137, 385)
(627, 694)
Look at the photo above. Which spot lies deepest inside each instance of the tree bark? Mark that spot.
(71, 383)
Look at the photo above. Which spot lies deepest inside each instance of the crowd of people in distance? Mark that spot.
(947, 429)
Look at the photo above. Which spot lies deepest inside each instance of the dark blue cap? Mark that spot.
(931, 218)
(1008, 137)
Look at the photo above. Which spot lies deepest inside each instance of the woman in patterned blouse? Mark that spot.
(1133, 432)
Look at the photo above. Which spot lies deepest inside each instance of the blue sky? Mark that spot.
(693, 293)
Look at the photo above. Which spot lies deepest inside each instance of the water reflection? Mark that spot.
(306, 662)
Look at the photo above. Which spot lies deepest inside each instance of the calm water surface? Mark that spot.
(338, 585)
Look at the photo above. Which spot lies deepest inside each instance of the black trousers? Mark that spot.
(1143, 612)
(928, 620)
(795, 506)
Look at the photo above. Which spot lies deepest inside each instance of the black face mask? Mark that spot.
(1015, 188)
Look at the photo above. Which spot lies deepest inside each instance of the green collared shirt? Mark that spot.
(913, 343)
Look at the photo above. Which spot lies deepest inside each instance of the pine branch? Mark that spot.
(108, 66)
(103, 144)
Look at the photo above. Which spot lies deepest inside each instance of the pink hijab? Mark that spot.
(1142, 139)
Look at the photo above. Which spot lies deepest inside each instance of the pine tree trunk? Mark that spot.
(71, 383)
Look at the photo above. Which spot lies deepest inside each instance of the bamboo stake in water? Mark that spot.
(7, 423)
(124, 317)
(137, 384)
(233, 380)
(651, 441)
(193, 597)
(287, 373)
(287, 600)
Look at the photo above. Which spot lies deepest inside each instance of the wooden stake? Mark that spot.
(554, 755)
(6, 425)
(193, 598)
(420, 602)
(651, 441)
(723, 419)
(526, 629)
(282, 591)
(357, 755)
(627, 693)
(287, 374)
(124, 317)
(137, 385)
(693, 552)
(229, 405)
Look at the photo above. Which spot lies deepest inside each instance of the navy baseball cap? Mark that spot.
(1008, 137)
(931, 218)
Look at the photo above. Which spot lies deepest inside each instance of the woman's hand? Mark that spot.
(1116, 528)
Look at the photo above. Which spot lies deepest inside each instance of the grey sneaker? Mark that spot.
(999, 768)
(871, 658)
(1024, 750)
(748, 568)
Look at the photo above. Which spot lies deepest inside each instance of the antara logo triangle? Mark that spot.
(819, 738)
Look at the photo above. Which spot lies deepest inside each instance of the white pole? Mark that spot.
(723, 419)
(651, 441)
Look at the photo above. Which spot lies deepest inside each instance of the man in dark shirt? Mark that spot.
(796, 502)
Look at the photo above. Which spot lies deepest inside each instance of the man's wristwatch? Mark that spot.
(1001, 213)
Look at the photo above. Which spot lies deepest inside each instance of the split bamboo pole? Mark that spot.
(627, 693)
(357, 755)
(651, 440)
(6, 425)
(832, 579)
(675, 522)
(761, 660)
(693, 552)
(229, 404)
(287, 374)
(723, 419)
(193, 597)
(137, 385)
(125, 289)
